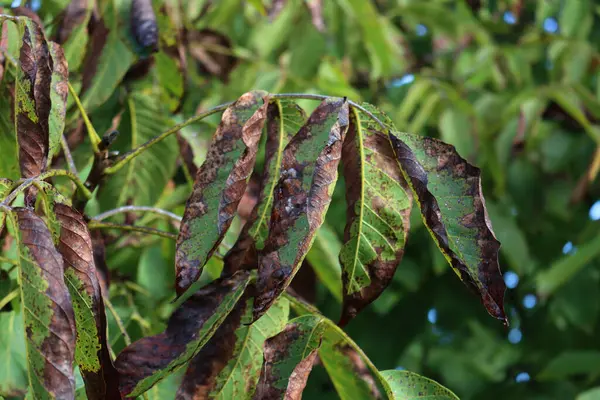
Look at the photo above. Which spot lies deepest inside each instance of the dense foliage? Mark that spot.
(145, 229)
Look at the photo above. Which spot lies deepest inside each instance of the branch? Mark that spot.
(118, 320)
(68, 155)
(143, 229)
(124, 209)
(8, 298)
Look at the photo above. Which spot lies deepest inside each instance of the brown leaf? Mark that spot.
(219, 186)
(143, 24)
(49, 318)
(187, 155)
(32, 108)
(202, 372)
(97, 40)
(150, 359)
(93, 357)
(213, 51)
(302, 196)
(74, 15)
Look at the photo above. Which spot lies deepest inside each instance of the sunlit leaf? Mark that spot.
(309, 172)
(408, 386)
(219, 186)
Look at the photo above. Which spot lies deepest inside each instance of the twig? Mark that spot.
(25, 183)
(94, 138)
(143, 229)
(8, 298)
(124, 209)
(7, 260)
(118, 320)
(68, 155)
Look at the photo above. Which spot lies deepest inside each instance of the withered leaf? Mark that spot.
(219, 186)
(284, 119)
(48, 313)
(302, 196)
(228, 367)
(448, 190)
(289, 358)
(379, 203)
(92, 352)
(150, 359)
(32, 102)
(74, 15)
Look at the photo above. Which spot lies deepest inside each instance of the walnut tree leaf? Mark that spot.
(48, 314)
(302, 196)
(149, 360)
(91, 352)
(220, 184)
(379, 203)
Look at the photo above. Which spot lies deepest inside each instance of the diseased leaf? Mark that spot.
(219, 186)
(302, 196)
(58, 97)
(448, 190)
(32, 101)
(13, 373)
(284, 119)
(152, 358)
(289, 358)
(409, 386)
(48, 314)
(379, 204)
(91, 352)
(74, 16)
(142, 180)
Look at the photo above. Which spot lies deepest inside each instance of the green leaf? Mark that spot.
(284, 119)
(308, 177)
(323, 257)
(562, 270)
(48, 314)
(13, 361)
(289, 358)
(58, 97)
(219, 186)
(9, 163)
(73, 32)
(448, 190)
(408, 385)
(149, 360)
(571, 363)
(142, 180)
(91, 352)
(377, 222)
(456, 128)
(592, 394)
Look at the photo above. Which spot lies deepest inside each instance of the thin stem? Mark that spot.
(143, 229)
(124, 209)
(94, 138)
(125, 158)
(118, 321)
(7, 260)
(5, 208)
(25, 183)
(68, 155)
(8, 298)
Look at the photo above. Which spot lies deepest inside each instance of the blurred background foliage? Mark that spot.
(514, 85)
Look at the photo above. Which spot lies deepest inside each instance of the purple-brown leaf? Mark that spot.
(48, 313)
(302, 196)
(147, 361)
(92, 352)
(220, 184)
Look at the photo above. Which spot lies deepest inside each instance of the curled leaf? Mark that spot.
(32, 102)
(289, 358)
(284, 119)
(92, 352)
(220, 184)
(461, 228)
(143, 24)
(379, 204)
(147, 361)
(48, 313)
(302, 196)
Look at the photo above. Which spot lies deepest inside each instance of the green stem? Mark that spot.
(127, 157)
(143, 229)
(94, 138)
(8, 298)
(118, 320)
(125, 209)
(68, 155)
(25, 183)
